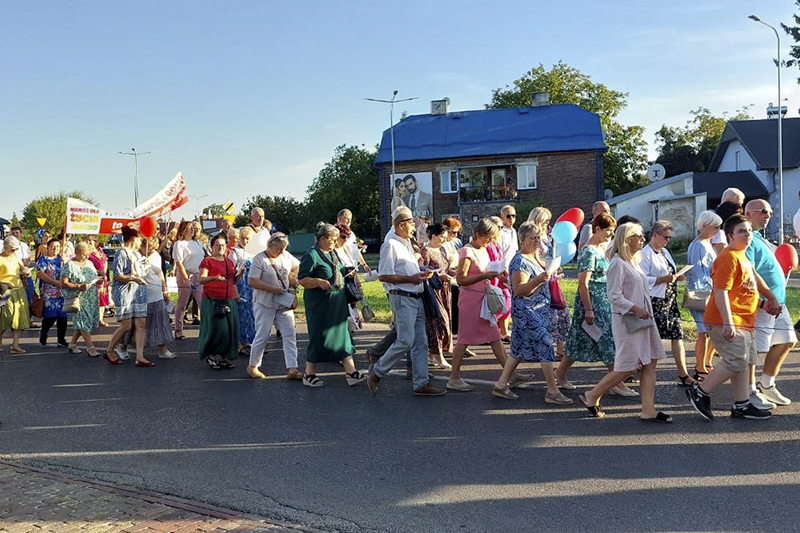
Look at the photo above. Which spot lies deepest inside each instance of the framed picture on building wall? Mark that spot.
(415, 191)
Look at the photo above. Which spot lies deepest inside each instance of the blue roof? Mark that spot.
(517, 130)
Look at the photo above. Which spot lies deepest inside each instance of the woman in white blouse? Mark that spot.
(660, 269)
(273, 277)
(187, 252)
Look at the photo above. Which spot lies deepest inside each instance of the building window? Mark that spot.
(738, 152)
(448, 181)
(526, 176)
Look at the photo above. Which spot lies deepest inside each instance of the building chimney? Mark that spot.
(540, 99)
(440, 107)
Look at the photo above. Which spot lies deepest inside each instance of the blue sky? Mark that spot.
(252, 97)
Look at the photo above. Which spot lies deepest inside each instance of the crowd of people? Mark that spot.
(497, 288)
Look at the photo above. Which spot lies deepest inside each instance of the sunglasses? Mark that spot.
(511, 216)
(665, 237)
(762, 211)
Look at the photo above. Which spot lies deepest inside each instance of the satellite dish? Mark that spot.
(656, 172)
(608, 194)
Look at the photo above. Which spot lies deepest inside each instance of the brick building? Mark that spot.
(471, 163)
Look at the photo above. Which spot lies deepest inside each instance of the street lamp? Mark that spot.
(391, 103)
(197, 208)
(135, 173)
(780, 129)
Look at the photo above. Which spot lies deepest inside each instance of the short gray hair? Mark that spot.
(401, 213)
(256, 210)
(732, 192)
(661, 226)
(326, 230)
(526, 229)
(708, 218)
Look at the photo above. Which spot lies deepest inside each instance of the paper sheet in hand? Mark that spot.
(593, 330)
(553, 265)
(684, 270)
(496, 266)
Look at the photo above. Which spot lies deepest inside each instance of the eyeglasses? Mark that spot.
(637, 236)
(407, 220)
(665, 237)
(511, 216)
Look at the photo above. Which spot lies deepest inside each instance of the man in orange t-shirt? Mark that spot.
(730, 320)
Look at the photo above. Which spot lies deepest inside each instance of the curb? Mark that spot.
(162, 499)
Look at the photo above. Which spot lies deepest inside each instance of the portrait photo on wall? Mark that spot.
(413, 190)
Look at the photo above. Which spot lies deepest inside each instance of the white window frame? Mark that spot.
(445, 180)
(524, 171)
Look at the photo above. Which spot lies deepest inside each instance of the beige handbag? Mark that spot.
(72, 305)
(696, 300)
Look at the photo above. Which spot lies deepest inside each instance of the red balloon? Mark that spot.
(148, 226)
(786, 254)
(574, 215)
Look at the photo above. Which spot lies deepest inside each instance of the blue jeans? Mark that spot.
(409, 321)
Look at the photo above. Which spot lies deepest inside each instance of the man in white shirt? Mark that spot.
(24, 251)
(598, 208)
(400, 273)
(258, 243)
(345, 217)
(731, 194)
(509, 243)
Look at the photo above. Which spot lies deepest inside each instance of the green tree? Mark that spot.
(690, 148)
(15, 221)
(794, 33)
(349, 181)
(216, 210)
(626, 159)
(53, 207)
(283, 211)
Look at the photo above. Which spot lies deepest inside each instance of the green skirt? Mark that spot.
(15, 314)
(218, 335)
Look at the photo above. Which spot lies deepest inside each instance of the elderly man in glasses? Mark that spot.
(774, 334)
(402, 279)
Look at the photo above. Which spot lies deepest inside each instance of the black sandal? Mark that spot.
(214, 365)
(699, 376)
(687, 381)
(660, 417)
(224, 363)
(596, 410)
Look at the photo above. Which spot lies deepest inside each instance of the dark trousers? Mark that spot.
(61, 328)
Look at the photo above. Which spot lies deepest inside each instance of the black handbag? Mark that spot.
(221, 308)
(353, 292)
(429, 301)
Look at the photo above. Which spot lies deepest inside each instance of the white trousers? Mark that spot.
(284, 321)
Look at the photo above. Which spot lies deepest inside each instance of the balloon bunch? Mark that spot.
(564, 232)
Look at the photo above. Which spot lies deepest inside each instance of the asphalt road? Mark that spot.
(340, 460)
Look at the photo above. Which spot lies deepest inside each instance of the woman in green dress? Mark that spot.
(322, 276)
(592, 305)
(79, 277)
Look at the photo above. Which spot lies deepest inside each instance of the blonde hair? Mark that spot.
(620, 245)
(246, 232)
(84, 248)
(486, 228)
(540, 216)
(233, 235)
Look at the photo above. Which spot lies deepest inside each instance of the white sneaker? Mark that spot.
(460, 385)
(166, 355)
(124, 355)
(760, 402)
(773, 394)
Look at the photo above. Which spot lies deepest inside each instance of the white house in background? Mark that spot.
(671, 199)
(753, 145)
(681, 198)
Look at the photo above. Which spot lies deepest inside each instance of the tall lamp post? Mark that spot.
(135, 173)
(780, 129)
(391, 103)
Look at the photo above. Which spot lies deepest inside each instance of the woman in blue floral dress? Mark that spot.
(48, 273)
(592, 305)
(247, 321)
(79, 277)
(530, 309)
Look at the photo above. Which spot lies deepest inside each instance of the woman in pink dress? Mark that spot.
(496, 254)
(472, 275)
(99, 259)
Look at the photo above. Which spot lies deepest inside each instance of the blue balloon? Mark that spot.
(566, 251)
(564, 232)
